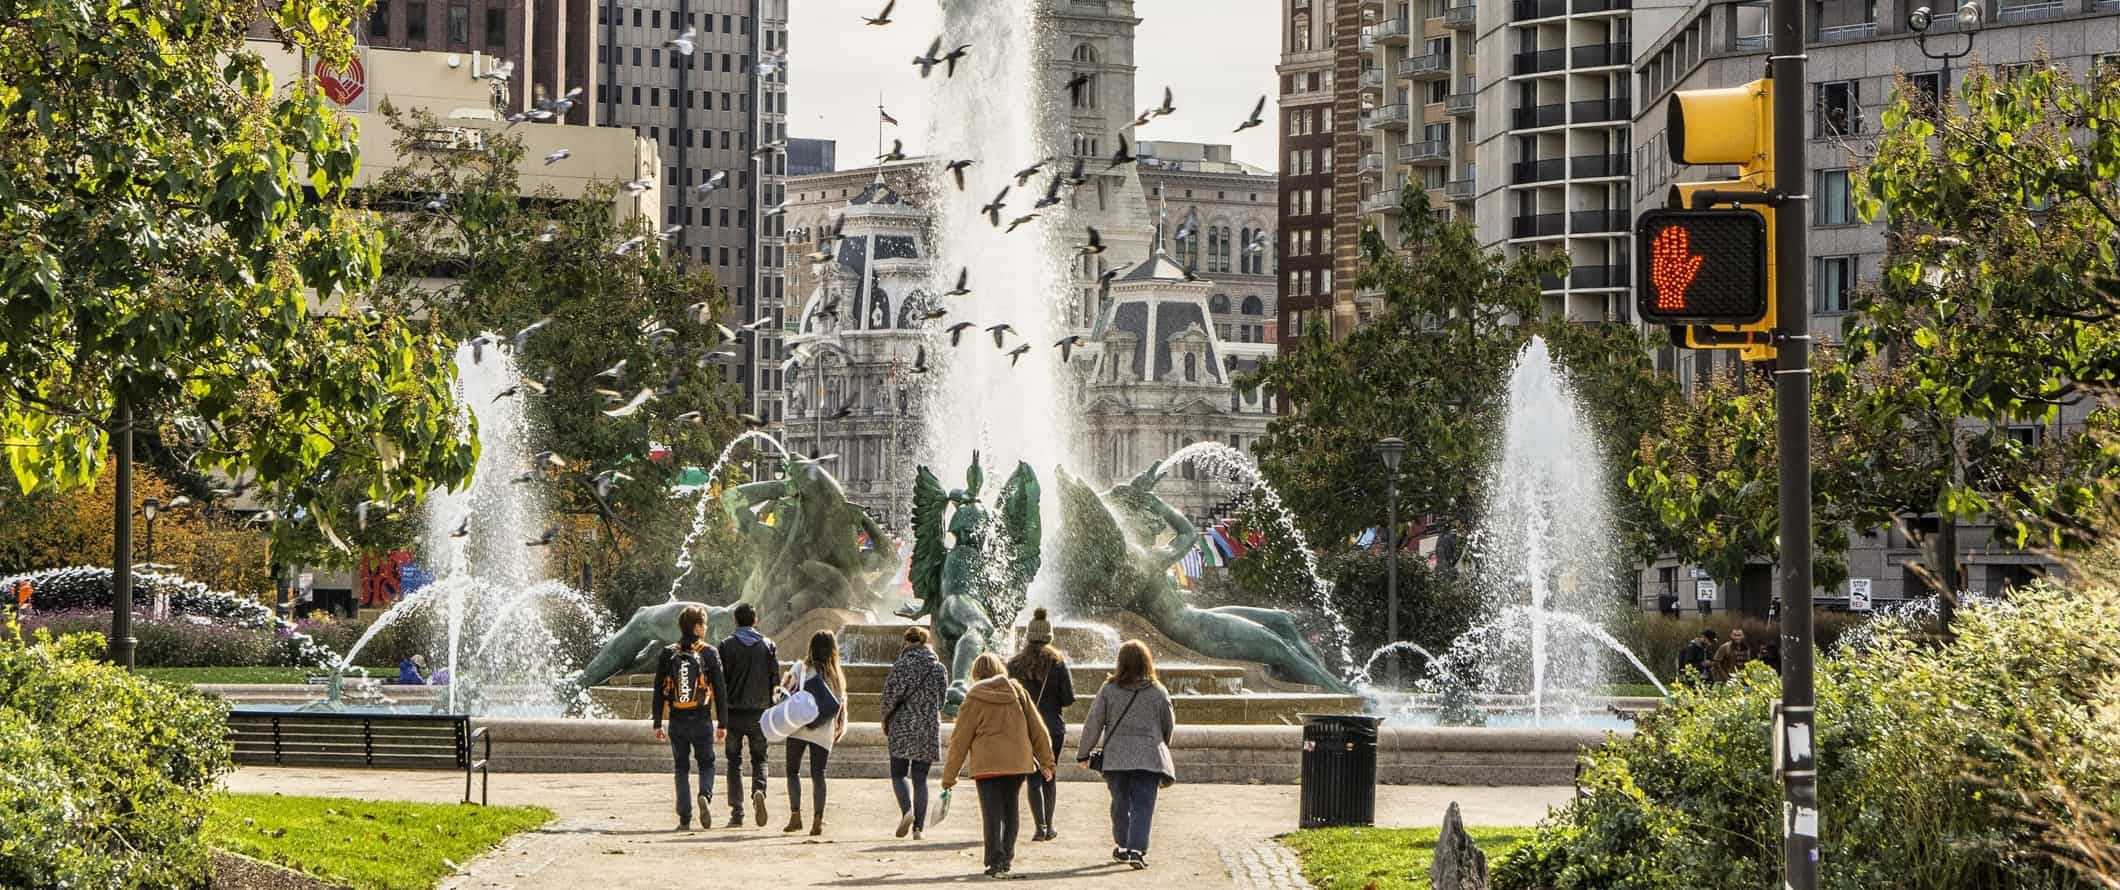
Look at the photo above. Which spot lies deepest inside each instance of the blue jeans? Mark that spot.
(690, 741)
(909, 782)
(1133, 806)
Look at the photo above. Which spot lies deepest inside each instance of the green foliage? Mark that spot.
(1383, 858)
(1917, 782)
(1657, 638)
(171, 220)
(339, 839)
(107, 776)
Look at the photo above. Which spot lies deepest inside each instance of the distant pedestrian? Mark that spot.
(1043, 672)
(688, 693)
(1730, 660)
(912, 708)
(1769, 654)
(817, 674)
(23, 594)
(750, 666)
(1127, 737)
(1000, 736)
(1695, 657)
(412, 671)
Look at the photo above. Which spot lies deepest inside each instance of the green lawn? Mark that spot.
(370, 845)
(1642, 690)
(286, 675)
(1383, 858)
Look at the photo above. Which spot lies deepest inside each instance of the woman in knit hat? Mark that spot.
(1043, 672)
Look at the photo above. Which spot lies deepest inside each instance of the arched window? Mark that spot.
(1252, 306)
(1087, 97)
(1214, 249)
(1218, 304)
(1299, 33)
(1244, 251)
(1192, 370)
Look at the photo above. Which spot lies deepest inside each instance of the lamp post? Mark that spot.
(150, 509)
(1391, 448)
(1919, 21)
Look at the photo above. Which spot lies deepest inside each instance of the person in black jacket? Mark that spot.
(1042, 670)
(1694, 657)
(752, 665)
(688, 693)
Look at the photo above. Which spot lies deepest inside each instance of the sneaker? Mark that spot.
(1000, 874)
(1038, 836)
(683, 825)
(1051, 833)
(758, 808)
(736, 818)
(706, 812)
(905, 823)
(1136, 859)
(916, 834)
(1119, 854)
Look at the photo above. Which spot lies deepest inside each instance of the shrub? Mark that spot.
(178, 642)
(107, 776)
(90, 588)
(1657, 638)
(1919, 784)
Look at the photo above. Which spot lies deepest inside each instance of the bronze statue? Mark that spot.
(634, 648)
(979, 582)
(809, 556)
(1110, 562)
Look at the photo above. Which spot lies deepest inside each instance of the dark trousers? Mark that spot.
(691, 740)
(818, 757)
(1000, 811)
(1133, 806)
(1045, 793)
(909, 782)
(744, 728)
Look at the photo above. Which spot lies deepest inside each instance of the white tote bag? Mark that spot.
(793, 713)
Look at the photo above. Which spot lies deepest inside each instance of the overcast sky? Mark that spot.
(1217, 55)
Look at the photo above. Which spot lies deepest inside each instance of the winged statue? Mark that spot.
(978, 579)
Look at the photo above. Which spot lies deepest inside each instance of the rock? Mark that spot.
(1459, 864)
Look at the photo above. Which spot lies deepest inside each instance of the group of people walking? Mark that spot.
(1702, 661)
(1007, 734)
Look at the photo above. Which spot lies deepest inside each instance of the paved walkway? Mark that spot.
(613, 830)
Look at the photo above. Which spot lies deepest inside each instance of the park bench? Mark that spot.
(361, 740)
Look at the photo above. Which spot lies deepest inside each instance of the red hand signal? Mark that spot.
(1672, 265)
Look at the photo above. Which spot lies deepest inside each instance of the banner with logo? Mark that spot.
(348, 88)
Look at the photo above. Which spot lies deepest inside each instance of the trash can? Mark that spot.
(1339, 770)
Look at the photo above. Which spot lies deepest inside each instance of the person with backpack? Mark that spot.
(688, 693)
(1002, 738)
(819, 675)
(1127, 738)
(752, 665)
(1043, 672)
(912, 708)
(1695, 657)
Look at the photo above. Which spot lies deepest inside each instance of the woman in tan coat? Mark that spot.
(1001, 734)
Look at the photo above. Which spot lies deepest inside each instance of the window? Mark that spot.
(655, 58)
(416, 22)
(655, 18)
(496, 29)
(636, 56)
(1834, 278)
(636, 18)
(1192, 374)
(1438, 91)
(1835, 200)
(1086, 97)
(1299, 36)
(1838, 112)
(459, 25)
(1928, 86)
(379, 22)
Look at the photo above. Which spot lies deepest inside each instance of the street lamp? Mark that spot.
(1919, 21)
(149, 510)
(1391, 448)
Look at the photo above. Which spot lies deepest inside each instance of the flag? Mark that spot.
(1220, 540)
(1238, 543)
(885, 116)
(1191, 563)
(1210, 555)
(862, 540)
(1366, 539)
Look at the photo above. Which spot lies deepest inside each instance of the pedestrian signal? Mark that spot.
(1701, 267)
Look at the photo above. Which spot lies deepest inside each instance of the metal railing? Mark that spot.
(1390, 31)
(1461, 16)
(1538, 9)
(1593, 166)
(1539, 116)
(1584, 7)
(1590, 111)
(1370, 163)
(1383, 116)
(1426, 65)
(1539, 61)
(1844, 33)
(1592, 221)
(1528, 172)
(1603, 54)
(2025, 12)
(1460, 102)
(1539, 225)
(1381, 202)
(1600, 276)
(1460, 189)
(1421, 152)
(1371, 79)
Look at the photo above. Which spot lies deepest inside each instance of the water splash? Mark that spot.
(706, 497)
(1223, 461)
(1366, 676)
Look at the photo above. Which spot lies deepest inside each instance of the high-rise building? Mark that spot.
(711, 110)
(549, 43)
(810, 156)
(1320, 152)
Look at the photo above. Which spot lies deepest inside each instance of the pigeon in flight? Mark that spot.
(713, 182)
(550, 459)
(750, 421)
(557, 157)
(1257, 118)
(478, 348)
(993, 208)
(1075, 85)
(615, 372)
(756, 326)
(1122, 157)
(521, 337)
(550, 234)
(1023, 176)
(775, 210)
(502, 71)
(1259, 243)
(1077, 179)
(1015, 355)
(682, 44)
(629, 245)
(955, 56)
(690, 417)
(606, 479)
(463, 528)
(1145, 117)
(1052, 193)
(884, 17)
(957, 331)
(897, 152)
(999, 331)
(845, 411)
(438, 202)
(635, 187)
(527, 476)
(956, 169)
(1019, 222)
(1166, 109)
(1095, 245)
(766, 151)
(544, 540)
(771, 63)
(920, 365)
(669, 232)
(1067, 345)
(928, 61)
(964, 278)
(628, 409)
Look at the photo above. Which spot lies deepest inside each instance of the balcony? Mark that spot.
(1747, 43)
(1384, 202)
(1524, 10)
(1539, 116)
(1529, 172)
(1370, 163)
(1371, 80)
(2105, 5)
(1460, 189)
(1462, 101)
(1429, 152)
(1590, 111)
(1384, 116)
(1600, 55)
(1425, 67)
(1600, 277)
(1845, 33)
(1539, 61)
(1590, 222)
(1551, 281)
(2029, 12)
(1543, 225)
(1595, 166)
(1461, 17)
(1587, 7)
(1390, 31)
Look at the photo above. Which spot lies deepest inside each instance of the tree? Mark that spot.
(172, 224)
(53, 528)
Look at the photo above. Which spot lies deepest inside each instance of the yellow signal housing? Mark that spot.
(1730, 125)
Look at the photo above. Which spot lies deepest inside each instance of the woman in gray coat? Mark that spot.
(912, 703)
(1130, 724)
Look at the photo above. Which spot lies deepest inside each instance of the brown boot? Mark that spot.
(794, 823)
(817, 825)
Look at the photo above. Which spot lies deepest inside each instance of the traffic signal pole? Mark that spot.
(1798, 743)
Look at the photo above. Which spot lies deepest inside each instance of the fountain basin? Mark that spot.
(632, 702)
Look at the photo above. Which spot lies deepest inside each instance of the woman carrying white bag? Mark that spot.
(811, 719)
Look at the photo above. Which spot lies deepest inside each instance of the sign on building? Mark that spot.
(1704, 591)
(348, 88)
(1858, 594)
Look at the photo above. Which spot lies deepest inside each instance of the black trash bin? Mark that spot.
(1339, 770)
